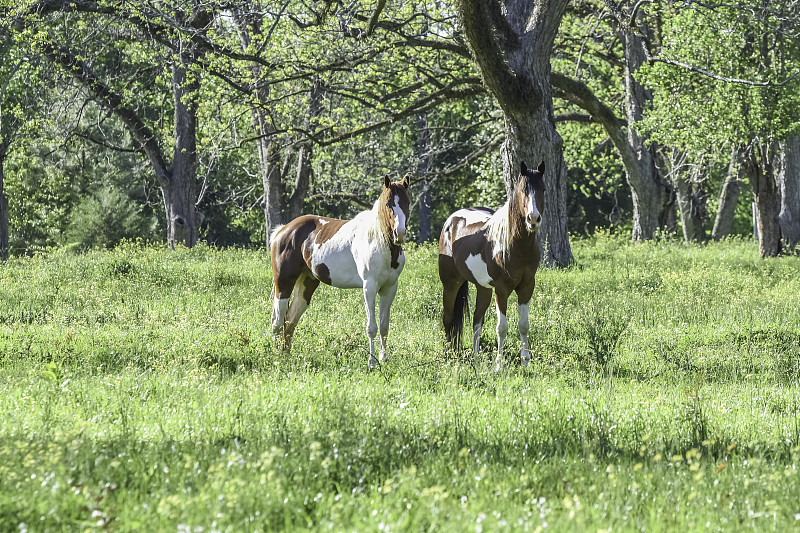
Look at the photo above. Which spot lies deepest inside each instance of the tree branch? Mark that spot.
(114, 102)
(355, 198)
(725, 79)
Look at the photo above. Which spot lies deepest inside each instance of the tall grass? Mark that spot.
(139, 390)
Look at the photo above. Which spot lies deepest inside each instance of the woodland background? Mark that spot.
(187, 121)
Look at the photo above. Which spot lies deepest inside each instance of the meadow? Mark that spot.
(140, 391)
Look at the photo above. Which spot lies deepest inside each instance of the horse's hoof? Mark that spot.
(372, 363)
(526, 361)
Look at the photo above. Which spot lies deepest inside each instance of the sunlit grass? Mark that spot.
(139, 390)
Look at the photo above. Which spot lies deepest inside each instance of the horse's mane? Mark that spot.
(503, 227)
(379, 226)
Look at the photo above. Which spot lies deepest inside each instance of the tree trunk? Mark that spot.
(789, 186)
(532, 143)
(3, 205)
(759, 167)
(728, 198)
(691, 199)
(423, 186)
(512, 44)
(180, 190)
(653, 199)
(269, 154)
(305, 154)
(649, 194)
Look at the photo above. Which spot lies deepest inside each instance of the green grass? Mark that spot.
(139, 390)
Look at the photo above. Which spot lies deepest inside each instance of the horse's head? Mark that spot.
(529, 196)
(396, 207)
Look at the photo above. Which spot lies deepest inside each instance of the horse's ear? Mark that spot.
(541, 168)
(523, 168)
(386, 181)
(406, 181)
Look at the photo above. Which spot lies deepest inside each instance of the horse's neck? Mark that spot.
(373, 225)
(521, 239)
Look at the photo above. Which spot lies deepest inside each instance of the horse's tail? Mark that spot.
(274, 234)
(460, 311)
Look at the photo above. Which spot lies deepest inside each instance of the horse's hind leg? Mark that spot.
(482, 302)
(283, 286)
(304, 288)
(279, 307)
(450, 322)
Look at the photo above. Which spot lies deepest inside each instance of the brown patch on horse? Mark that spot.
(309, 286)
(283, 257)
(323, 273)
(396, 251)
(328, 229)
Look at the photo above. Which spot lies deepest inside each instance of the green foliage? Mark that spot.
(105, 218)
(141, 391)
(736, 42)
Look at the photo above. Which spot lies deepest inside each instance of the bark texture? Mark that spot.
(789, 187)
(649, 193)
(179, 191)
(759, 166)
(652, 197)
(512, 43)
(178, 181)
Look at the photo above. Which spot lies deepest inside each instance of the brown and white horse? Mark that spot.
(497, 251)
(365, 252)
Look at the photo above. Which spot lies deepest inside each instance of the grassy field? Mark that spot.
(139, 390)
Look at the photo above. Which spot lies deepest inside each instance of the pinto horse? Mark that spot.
(365, 252)
(496, 251)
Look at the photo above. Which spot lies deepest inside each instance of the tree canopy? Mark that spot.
(203, 120)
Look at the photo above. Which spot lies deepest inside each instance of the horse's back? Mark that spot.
(462, 223)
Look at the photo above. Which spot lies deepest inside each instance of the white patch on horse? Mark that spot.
(472, 216)
(533, 211)
(322, 222)
(399, 217)
(524, 311)
(479, 270)
(337, 256)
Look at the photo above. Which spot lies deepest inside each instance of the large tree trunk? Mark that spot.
(759, 165)
(728, 198)
(789, 186)
(422, 185)
(649, 194)
(512, 44)
(180, 190)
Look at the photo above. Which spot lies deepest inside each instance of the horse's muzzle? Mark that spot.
(533, 222)
(399, 236)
